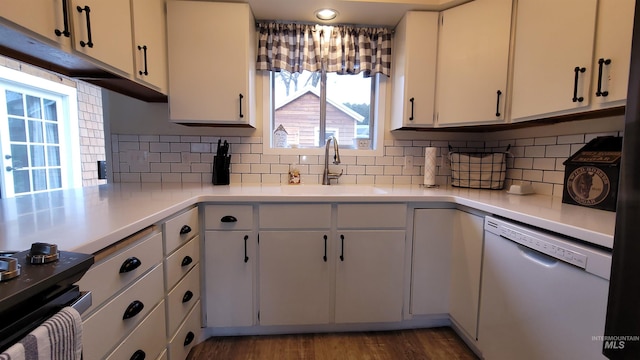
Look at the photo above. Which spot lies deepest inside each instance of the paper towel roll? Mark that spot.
(430, 166)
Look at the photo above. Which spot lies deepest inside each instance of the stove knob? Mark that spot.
(9, 268)
(42, 253)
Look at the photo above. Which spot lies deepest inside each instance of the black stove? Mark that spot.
(34, 284)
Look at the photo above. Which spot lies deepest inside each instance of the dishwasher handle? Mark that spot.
(538, 257)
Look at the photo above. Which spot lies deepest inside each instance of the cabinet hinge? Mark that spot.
(258, 317)
(441, 20)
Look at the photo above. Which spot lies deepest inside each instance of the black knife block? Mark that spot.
(221, 170)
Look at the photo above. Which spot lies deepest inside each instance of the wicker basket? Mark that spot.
(478, 170)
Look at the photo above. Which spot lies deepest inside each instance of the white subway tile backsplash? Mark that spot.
(189, 158)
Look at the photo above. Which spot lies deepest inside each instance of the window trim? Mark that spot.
(381, 83)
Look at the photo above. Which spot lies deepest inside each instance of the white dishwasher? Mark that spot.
(542, 296)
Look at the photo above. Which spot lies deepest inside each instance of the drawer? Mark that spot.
(179, 229)
(372, 216)
(180, 262)
(187, 335)
(105, 328)
(181, 299)
(104, 278)
(149, 338)
(295, 216)
(220, 217)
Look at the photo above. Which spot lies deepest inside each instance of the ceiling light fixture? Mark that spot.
(326, 14)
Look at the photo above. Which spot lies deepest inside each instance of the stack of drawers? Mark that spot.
(128, 312)
(182, 282)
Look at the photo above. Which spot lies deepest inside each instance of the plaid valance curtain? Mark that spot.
(344, 49)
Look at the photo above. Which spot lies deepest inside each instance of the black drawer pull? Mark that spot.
(130, 264)
(133, 309)
(185, 229)
(186, 261)
(411, 117)
(228, 218)
(341, 247)
(187, 296)
(87, 10)
(189, 338)
(246, 258)
(65, 19)
(325, 248)
(601, 63)
(577, 71)
(138, 355)
(144, 50)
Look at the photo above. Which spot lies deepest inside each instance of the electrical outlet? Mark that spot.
(363, 143)
(408, 163)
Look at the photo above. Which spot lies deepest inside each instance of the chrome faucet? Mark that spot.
(327, 176)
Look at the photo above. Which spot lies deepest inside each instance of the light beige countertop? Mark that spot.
(92, 218)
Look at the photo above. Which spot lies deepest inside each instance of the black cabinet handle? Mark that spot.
(498, 103)
(130, 264)
(228, 218)
(325, 249)
(601, 63)
(86, 9)
(241, 97)
(144, 50)
(65, 19)
(185, 229)
(138, 355)
(133, 309)
(246, 258)
(411, 100)
(577, 70)
(341, 247)
(186, 261)
(189, 338)
(187, 296)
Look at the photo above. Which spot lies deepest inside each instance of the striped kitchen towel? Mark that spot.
(58, 338)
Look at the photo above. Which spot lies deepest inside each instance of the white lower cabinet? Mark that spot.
(369, 276)
(230, 253)
(107, 327)
(431, 260)
(295, 277)
(148, 340)
(446, 265)
(229, 278)
(466, 266)
(187, 335)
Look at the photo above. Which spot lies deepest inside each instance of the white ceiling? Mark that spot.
(365, 12)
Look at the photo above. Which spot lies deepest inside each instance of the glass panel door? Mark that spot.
(29, 134)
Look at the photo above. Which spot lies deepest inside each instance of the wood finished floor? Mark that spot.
(423, 344)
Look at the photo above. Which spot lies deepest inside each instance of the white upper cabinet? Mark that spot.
(554, 43)
(414, 70)
(614, 30)
(473, 58)
(48, 18)
(211, 63)
(102, 31)
(150, 42)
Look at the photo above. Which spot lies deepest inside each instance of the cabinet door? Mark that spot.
(109, 40)
(43, 17)
(553, 38)
(466, 259)
(369, 274)
(613, 43)
(294, 277)
(211, 62)
(229, 278)
(431, 262)
(150, 42)
(414, 70)
(473, 58)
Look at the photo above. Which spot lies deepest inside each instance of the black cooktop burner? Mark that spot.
(43, 277)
